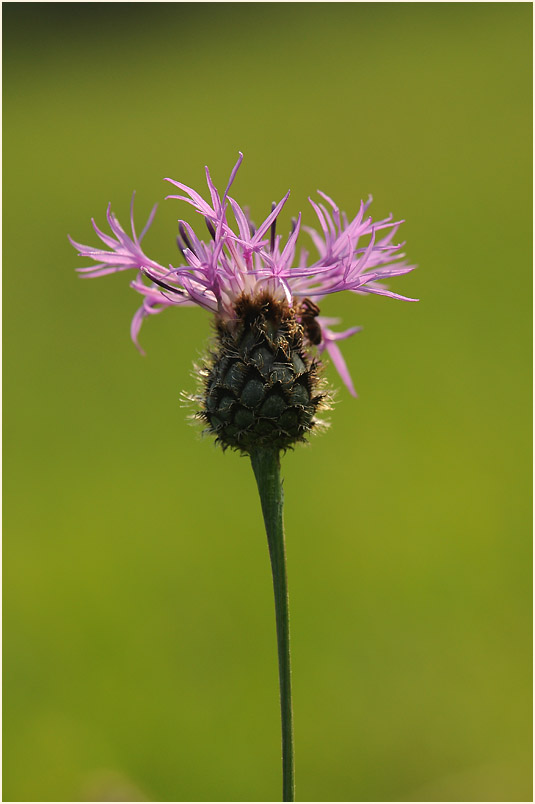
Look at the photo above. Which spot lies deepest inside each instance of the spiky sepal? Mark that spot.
(261, 386)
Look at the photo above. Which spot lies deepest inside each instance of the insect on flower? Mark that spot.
(261, 382)
(308, 317)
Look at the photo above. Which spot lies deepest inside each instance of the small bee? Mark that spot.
(308, 312)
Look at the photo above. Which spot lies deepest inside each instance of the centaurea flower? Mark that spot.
(240, 261)
(261, 383)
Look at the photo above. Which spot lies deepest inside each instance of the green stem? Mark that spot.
(266, 467)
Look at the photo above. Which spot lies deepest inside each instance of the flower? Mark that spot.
(240, 261)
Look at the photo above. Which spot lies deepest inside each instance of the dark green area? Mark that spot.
(139, 634)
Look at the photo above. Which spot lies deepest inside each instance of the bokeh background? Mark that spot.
(139, 637)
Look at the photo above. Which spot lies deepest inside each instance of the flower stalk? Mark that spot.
(266, 466)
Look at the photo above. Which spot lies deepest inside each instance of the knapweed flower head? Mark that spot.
(261, 380)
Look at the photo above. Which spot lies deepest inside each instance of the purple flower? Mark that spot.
(241, 260)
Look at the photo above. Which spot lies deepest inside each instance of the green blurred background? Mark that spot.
(139, 636)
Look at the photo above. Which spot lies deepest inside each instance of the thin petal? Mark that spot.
(340, 364)
(382, 292)
(135, 326)
(262, 229)
(149, 222)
